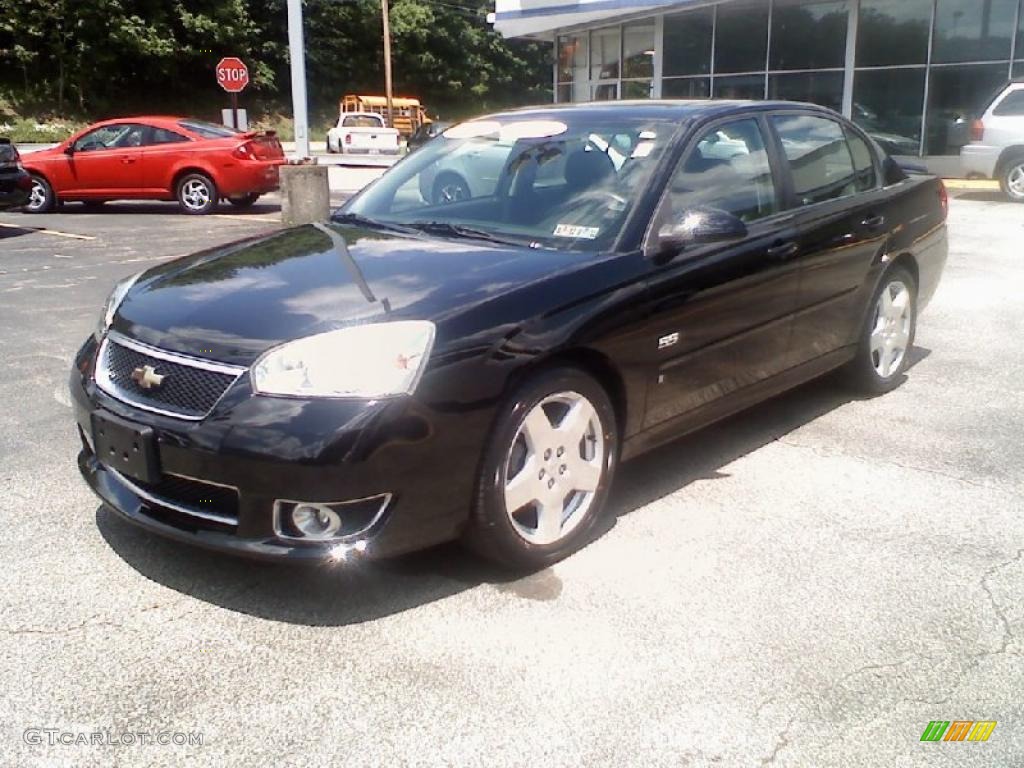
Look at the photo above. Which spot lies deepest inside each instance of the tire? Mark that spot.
(245, 201)
(196, 194)
(887, 337)
(450, 188)
(526, 444)
(1011, 180)
(42, 198)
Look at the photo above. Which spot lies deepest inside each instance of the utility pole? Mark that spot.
(387, 60)
(297, 56)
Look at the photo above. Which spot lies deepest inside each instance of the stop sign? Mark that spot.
(232, 74)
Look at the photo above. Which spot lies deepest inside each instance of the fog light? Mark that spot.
(316, 521)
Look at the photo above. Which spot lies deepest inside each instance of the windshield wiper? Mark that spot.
(447, 229)
(365, 221)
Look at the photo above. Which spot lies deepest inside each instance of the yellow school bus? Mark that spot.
(406, 114)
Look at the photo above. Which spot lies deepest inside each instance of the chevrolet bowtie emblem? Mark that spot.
(147, 377)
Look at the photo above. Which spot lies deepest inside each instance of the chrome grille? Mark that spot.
(190, 386)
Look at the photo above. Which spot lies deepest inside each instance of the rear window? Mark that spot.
(361, 121)
(1012, 105)
(208, 130)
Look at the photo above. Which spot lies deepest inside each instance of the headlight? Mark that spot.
(113, 302)
(367, 361)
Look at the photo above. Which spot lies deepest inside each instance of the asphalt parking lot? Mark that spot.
(807, 584)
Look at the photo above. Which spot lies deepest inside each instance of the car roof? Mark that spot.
(663, 108)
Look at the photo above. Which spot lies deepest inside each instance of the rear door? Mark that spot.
(843, 220)
(106, 161)
(721, 313)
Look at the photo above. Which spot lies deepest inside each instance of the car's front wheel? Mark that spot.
(450, 188)
(41, 198)
(888, 335)
(196, 194)
(1012, 180)
(546, 473)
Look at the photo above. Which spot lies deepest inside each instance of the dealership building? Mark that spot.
(911, 72)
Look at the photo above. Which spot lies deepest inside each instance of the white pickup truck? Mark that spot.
(362, 133)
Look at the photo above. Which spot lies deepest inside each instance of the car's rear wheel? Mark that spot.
(1012, 180)
(244, 201)
(41, 198)
(197, 194)
(888, 335)
(546, 472)
(450, 188)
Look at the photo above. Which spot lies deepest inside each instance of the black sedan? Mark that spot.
(416, 370)
(15, 183)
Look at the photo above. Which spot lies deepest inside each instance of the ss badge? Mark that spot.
(668, 341)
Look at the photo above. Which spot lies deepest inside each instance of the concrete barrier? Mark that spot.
(305, 194)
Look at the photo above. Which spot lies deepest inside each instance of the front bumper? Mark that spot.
(276, 449)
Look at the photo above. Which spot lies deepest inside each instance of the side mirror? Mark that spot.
(69, 150)
(697, 226)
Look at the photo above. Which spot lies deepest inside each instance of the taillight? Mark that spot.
(977, 131)
(348, 138)
(245, 151)
(944, 199)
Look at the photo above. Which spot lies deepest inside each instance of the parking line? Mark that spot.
(45, 231)
(244, 218)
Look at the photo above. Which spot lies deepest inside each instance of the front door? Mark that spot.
(106, 161)
(722, 313)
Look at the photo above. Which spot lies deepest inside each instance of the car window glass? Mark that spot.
(1012, 105)
(360, 121)
(208, 130)
(863, 162)
(728, 170)
(818, 156)
(119, 136)
(164, 136)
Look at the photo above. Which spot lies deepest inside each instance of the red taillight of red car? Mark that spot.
(245, 151)
(977, 131)
(944, 199)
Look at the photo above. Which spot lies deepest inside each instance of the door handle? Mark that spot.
(127, 160)
(783, 251)
(874, 222)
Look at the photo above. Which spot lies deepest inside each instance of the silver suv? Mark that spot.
(996, 150)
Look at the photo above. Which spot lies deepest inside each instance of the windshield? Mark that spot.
(566, 181)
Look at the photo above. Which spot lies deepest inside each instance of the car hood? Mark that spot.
(235, 302)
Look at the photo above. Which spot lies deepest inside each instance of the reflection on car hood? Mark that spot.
(235, 302)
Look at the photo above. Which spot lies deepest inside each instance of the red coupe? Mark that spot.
(156, 158)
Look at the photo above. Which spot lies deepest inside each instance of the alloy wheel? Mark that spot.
(195, 194)
(451, 192)
(554, 468)
(1015, 181)
(890, 332)
(37, 196)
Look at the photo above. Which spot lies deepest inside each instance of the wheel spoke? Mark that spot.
(585, 475)
(538, 429)
(549, 521)
(900, 305)
(523, 488)
(576, 422)
(885, 302)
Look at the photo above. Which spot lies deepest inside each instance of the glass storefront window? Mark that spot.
(887, 105)
(604, 92)
(809, 35)
(824, 88)
(686, 88)
(564, 94)
(973, 30)
(637, 89)
(739, 87)
(572, 58)
(638, 49)
(604, 53)
(956, 95)
(893, 32)
(741, 44)
(687, 48)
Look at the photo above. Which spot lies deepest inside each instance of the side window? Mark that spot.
(728, 169)
(819, 157)
(164, 136)
(1012, 105)
(863, 162)
(109, 137)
